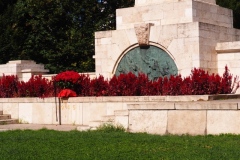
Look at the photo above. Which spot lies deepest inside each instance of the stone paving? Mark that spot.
(37, 127)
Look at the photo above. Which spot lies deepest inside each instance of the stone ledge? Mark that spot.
(185, 98)
(228, 47)
(224, 96)
(126, 99)
(121, 113)
(206, 106)
(194, 98)
(156, 106)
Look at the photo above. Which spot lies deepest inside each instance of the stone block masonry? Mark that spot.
(187, 30)
(194, 115)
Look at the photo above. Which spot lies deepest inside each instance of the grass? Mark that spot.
(92, 145)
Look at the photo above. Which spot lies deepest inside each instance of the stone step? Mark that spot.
(108, 118)
(95, 124)
(5, 116)
(121, 112)
(8, 121)
(1, 112)
(83, 128)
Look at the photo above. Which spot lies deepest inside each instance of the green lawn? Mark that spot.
(49, 144)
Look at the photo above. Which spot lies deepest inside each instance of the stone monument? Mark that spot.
(169, 37)
(24, 69)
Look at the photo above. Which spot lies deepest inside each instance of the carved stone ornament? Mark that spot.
(142, 32)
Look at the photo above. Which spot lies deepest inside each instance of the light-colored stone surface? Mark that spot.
(223, 122)
(182, 117)
(43, 114)
(111, 107)
(228, 47)
(207, 106)
(150, 121)
(37, 127)
(93, 111)
(24, 69)
(150, 2)
(142, 32)
(121, 112)
(12, 109)
(151, 106)
(187, 98)
(228, 55)
(187, 122)
(71, 113)
(26, 113)
(122, 120)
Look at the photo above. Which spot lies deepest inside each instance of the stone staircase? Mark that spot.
(113, 119)
(6, 119)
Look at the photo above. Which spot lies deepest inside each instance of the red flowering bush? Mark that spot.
(83, 85)
(67, 79)
(36, 86)
(8, 86)
(65, 93)
(226, 82)
(98, 86)
(198, 83)
(123, 85)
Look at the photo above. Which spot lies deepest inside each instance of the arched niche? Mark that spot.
(151, 60)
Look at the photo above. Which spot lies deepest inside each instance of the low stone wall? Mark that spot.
(194, 118)
(152, 114)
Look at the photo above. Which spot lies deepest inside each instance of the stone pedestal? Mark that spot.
(148, 2)
(188, 30)
(24, 69)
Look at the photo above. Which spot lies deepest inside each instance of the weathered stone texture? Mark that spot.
(187, 122)
(223, 122)
(154, 122)
(142, 32)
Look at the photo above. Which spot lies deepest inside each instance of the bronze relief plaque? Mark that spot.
(151, 60)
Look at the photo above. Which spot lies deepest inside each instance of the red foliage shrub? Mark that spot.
(157, 86)
(113, 87)
(226, 82)
(124, 84)
(82, 87)
(67, 79)
(174, 85)
(144, 86)
(198, 83)
(98, 86)
(8, 86)
(67, 93)
(186, 87)
(36, 87)
(214, 86)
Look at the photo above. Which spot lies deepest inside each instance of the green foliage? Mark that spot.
(48, 144)
(235, 6)
(57, 33)
(109, 127)
(60, 34)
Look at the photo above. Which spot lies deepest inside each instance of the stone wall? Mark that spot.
(195, 115)
(198, 118)
(24, 69)
(228, 53)
(187, 30)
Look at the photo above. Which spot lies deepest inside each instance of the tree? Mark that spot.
(59, 34)
(235, 6)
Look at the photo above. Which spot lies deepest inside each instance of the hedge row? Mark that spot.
(199, 82)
